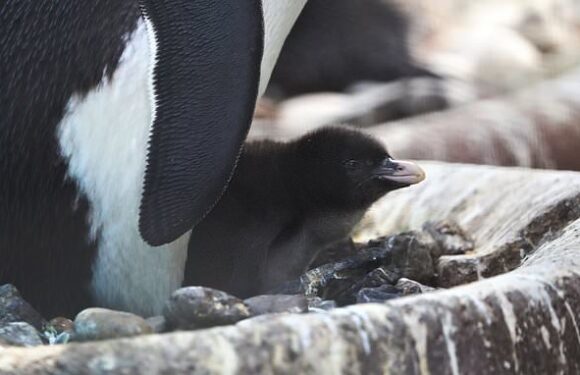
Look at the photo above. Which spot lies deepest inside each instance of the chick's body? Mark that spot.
(286, 203)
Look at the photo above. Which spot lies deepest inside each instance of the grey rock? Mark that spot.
(522, 322)
(376, 278)
(198, 307)
(409, 287)
(411, 256)
(457, 270)
(450, 238)
(379, 276)
(318, 304)
(13, 308)
(271, 304)
(328, 305)
(19, 334)
(530, 207)
(158, 324)
(102, 324)
(379, 262)
(377, 295)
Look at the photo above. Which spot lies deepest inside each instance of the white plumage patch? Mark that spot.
(279, 17)
(153, 58)
(104, 136)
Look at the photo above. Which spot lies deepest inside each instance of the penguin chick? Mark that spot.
(286, 203)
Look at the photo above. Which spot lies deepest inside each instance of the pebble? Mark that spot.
(381, 261)
(272, 304)
(409, 287)
(376, 278)
(15, 309)
(158, 324)
(102, 324)
(19, 334)
(198, 307)
(411, 256)
(377, 295)
(317, 304)
(450, 238)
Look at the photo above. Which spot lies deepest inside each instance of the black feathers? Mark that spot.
(285, 203)
(336, 43)
(206, 81)
(49, 50)
(54, 53)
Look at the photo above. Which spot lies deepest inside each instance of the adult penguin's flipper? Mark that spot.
(205, 76)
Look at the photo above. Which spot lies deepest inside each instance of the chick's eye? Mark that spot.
(351, 163)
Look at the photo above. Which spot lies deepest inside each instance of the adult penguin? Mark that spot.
(364, 41)
(120, 124)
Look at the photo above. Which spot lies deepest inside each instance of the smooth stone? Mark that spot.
(411, 256)
(271, 304)
(157, 323)
(377, 295)
(409, 287)
(102, 324)
(317, 304)
(19, 334)
(450, 238)
(376, 278)
(198, 307)
(13, 308)
(388, 259)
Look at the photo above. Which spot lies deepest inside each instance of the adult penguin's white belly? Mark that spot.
(104, 137)
(144, 153)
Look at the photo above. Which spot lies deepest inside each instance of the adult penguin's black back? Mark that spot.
(120, 124)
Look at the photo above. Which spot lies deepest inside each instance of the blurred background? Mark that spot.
(477, 81)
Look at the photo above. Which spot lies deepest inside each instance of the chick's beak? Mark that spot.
(401, 171)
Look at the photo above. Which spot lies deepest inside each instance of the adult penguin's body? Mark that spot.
(120, 123)
(364, 41)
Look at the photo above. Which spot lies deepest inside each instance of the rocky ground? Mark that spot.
(476, 270)
(379, 270)
(518, 224)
